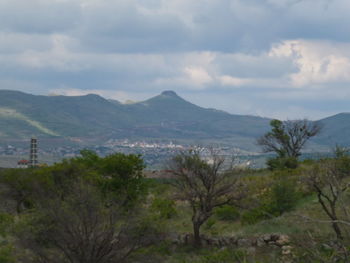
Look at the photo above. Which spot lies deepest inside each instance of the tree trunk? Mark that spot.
(19, 206)
(335, 225)
(196, 234)
(337, 230)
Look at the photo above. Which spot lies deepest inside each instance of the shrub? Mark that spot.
(281, 198)
(165, 208)
(210, 223)
(254, 215)
(6, 221)
(282, 163)
(227, 213)
(284, 197)
(6, 254)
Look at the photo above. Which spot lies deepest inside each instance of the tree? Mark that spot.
(118, 175)
(205, 185)
(329, 180)
(122, 175)
(22, 186)
(287, 138)
(82, 229)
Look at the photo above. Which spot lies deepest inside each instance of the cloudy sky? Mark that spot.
(278, 58)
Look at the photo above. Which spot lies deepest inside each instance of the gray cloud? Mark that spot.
(38, 16)
(224, 25)
(243, 56)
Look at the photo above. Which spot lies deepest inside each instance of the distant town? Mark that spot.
(155, 154)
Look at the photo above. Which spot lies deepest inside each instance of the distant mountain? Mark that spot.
(94, 119)
(170, 115)
(27, 114)
(336, 130)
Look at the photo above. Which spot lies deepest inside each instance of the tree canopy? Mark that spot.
(287, 138)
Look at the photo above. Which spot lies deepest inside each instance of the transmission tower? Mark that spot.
(33, 152)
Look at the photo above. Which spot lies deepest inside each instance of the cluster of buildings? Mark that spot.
(155, 154)
(143, 144)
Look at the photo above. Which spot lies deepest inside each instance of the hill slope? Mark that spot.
(166, 116)
(336, 130)
(58, 115)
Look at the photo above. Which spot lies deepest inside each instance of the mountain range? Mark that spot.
(94, 119)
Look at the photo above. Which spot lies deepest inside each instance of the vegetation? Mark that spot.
(204, 185)
(81, 210)
(103, 210)
(286, 139)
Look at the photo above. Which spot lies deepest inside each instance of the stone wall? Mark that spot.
(279, 241)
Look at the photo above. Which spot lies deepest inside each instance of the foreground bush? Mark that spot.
(227, 213)
(280, 198)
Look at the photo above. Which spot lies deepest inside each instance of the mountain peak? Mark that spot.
(169, 93)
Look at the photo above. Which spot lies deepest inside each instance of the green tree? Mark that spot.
(287, 138)
(122, 176)
(83, 208)
(23, 185)
(118, 175)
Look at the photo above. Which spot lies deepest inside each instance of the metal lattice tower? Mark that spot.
(33, 152)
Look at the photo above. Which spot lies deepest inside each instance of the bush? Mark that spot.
(165, 208)
(227, 213)
(282, 163)
(6, 254)
(281, 198)
(210, 223)
(6, 221)
(254, 215)
(284, 197)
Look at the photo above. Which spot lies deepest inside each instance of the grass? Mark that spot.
(293, 223)
(10, 113)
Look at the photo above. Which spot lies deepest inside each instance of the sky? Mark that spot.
(286, 59)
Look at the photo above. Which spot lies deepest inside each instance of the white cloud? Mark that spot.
(232, 81)
(198, 76)
(318, 62)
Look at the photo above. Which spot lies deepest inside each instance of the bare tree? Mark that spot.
(329, 180)
(205, 185)
(287, 138)
(81, 229)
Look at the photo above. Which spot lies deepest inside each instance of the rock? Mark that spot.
(283, 240)
(243, 242)
(274, 237)
(225, 242)
(266, 238)
(260, 242)
(272, 243)
(287, 250)
(251, 250)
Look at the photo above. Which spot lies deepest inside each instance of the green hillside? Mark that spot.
(336, 130)
(94, 119)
